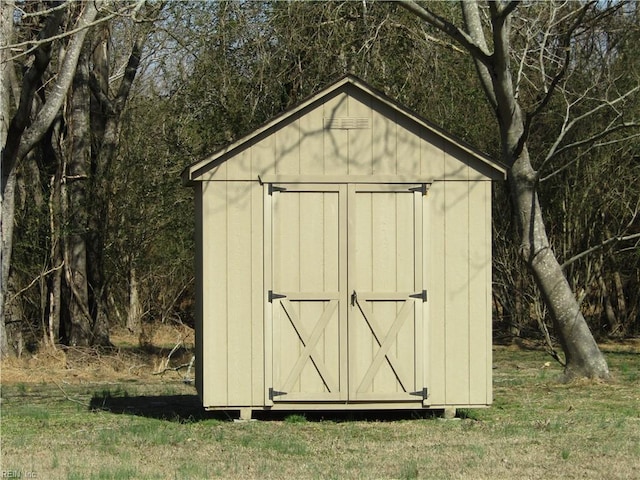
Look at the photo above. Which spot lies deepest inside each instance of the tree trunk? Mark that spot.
(583, 358)
(582, 355)
(98, 206)
(14, 318)
(75, 206)
(106, 115)
(6, 203)
(621, 304)
(55, 280)
(8, 208)
(605, 296)
(135, 311)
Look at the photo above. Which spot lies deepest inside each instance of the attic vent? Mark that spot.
(347, 123)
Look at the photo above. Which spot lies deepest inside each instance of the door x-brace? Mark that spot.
(309, 342)
(385, 344)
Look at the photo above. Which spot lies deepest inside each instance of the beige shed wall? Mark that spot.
(231, 333)
(230, 340)
(459, 284)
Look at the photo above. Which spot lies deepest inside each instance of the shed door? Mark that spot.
(308, 292)
(385, 281)
(344, 310)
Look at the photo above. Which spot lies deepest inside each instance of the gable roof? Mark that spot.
(192, 172)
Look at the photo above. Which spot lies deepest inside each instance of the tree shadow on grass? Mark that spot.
(187, 408)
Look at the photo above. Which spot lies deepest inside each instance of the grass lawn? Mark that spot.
(135, 426)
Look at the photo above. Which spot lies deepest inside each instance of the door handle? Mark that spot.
(354, 298)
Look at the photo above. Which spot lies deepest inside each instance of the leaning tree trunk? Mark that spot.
(583, 358)
(582, 355)
(495, 73)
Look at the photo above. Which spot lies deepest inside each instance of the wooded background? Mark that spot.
(104, 103)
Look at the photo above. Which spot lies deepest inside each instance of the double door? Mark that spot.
(345, 294)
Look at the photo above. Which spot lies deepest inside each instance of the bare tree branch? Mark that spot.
(474, 25)
(459, 35)
(35, 44)
(15, 152)
(24, 14)
(566, 47)
(556, 149)
(79, 402)
(31, 81)
(33, 282)
(551, 89)
(508, 8)
(591, 147)
(601, 245)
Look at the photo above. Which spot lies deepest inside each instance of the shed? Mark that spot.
(343, 261)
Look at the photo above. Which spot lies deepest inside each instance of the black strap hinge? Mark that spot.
(273, 188)
(273, 296)
(422, 188)
(424, 393)
(275, 393)
(422, 295)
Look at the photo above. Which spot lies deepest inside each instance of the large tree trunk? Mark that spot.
(7, 223)
(75, 206)
(8, 185)
(98, 207)
(583, 358)
(582, 355)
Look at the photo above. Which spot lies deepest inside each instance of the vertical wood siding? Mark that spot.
(232, 259)
(214, 293)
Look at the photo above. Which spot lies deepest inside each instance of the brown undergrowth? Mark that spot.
(130, 358)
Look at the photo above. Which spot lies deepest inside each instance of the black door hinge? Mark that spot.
(424, 393)
(422, 295)
(273, 296)
(422, 188)
(273, 188)
(275, 393)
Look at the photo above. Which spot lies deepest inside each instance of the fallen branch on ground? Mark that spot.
(166, 368)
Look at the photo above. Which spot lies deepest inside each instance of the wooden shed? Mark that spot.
(343, 261)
